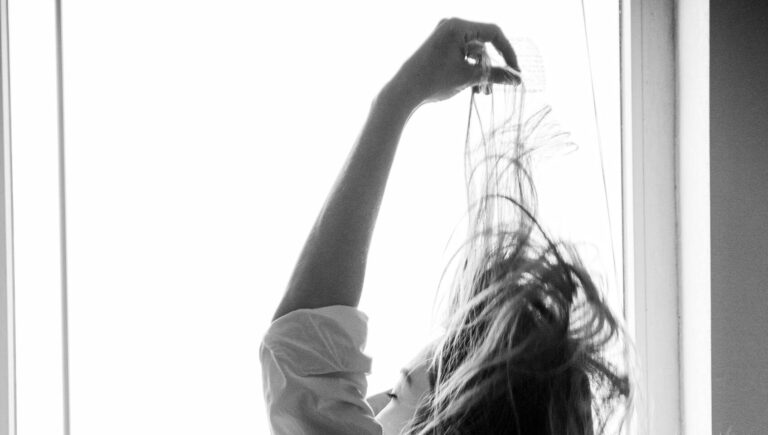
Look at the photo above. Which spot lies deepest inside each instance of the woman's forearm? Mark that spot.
(331, 267)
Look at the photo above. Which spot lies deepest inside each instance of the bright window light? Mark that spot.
(202, 139)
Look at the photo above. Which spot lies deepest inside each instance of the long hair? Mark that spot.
(527, 327)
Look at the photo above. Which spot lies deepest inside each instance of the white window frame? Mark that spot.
(693, 200)
(650, 263)
(7, 334)
(665, 119)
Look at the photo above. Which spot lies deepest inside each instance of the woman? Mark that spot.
(521, 354)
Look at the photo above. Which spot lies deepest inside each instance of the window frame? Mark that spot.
(650, 260)
(694, 231)
(7, 319)
(665, 143)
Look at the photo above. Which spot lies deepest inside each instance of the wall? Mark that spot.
(739, 214)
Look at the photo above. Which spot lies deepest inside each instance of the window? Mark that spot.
(202, 140)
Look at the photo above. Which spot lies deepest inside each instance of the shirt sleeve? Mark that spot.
(314, 373)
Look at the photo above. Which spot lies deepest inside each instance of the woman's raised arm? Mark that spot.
(331, 267)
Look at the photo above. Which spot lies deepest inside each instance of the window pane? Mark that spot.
(202, 140)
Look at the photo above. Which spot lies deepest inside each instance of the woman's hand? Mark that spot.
(439, 70)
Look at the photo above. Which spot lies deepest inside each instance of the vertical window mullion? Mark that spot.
(650, 241)
(7, 312)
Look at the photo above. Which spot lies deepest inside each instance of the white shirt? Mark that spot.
(314, 373)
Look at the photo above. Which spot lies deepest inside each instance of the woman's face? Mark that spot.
(394, 408)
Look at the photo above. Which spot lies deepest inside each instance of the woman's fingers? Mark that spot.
(474, 50)
(486, 32)
(501, 76)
